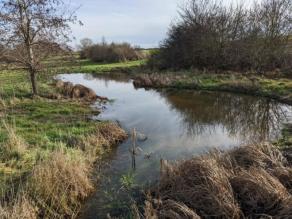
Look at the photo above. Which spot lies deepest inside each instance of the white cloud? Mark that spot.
(140, 22)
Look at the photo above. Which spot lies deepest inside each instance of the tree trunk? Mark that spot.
(32, 70)
(33, 82)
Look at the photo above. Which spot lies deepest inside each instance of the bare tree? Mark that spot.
(84, 47)
(85, 43)
(31, 30)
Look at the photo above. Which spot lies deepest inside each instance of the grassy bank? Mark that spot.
(48, 148)
(276, 88)
(65, 64)
(246, 182)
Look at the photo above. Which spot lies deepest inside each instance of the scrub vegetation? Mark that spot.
(211, 35)
(109, 52)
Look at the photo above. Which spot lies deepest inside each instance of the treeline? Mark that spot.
(109, 52)
(214, 36)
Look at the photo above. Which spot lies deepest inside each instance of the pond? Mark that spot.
(178, 124)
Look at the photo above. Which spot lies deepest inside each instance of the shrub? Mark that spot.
(213, 36)
(114, 52)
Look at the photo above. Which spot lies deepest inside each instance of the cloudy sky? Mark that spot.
(140, 22)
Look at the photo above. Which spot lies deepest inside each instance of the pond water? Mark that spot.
(178, 124)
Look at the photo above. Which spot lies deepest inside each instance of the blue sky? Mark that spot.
(139, 22)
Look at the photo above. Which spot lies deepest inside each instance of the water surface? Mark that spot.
(179, 124)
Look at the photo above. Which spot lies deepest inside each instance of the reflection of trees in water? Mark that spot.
(250, 118)
(109, 77)
(106, 78)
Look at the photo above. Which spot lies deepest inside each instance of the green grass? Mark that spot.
(90, 67)
(87, 66)
(41, 122)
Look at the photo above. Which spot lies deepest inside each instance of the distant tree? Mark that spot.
(84, 47)
(103, 41)
(30, 30)
(86, 42)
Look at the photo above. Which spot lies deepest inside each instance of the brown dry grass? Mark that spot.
(284, 175)
(263, 155)
(60, 183)
(246, 182)
(3, 105)
(14, 146)
(22, 208)
(203, 179)
(258, 192)
(112, 133)
(106, 136)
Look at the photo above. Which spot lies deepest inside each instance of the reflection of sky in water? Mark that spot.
(180, 124)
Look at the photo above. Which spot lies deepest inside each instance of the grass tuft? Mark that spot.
(15, 146)
(259, 192)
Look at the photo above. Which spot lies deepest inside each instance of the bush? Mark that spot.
(211, 35)
(113, 52)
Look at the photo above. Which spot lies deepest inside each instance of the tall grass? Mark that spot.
(59, 184)
(21, 208)
(14, 146)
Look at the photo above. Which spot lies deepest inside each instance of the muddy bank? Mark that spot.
(246, 182)
(77, 91)
(278, 89)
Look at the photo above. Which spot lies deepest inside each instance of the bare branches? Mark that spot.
(30, 30)
(213, 35)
